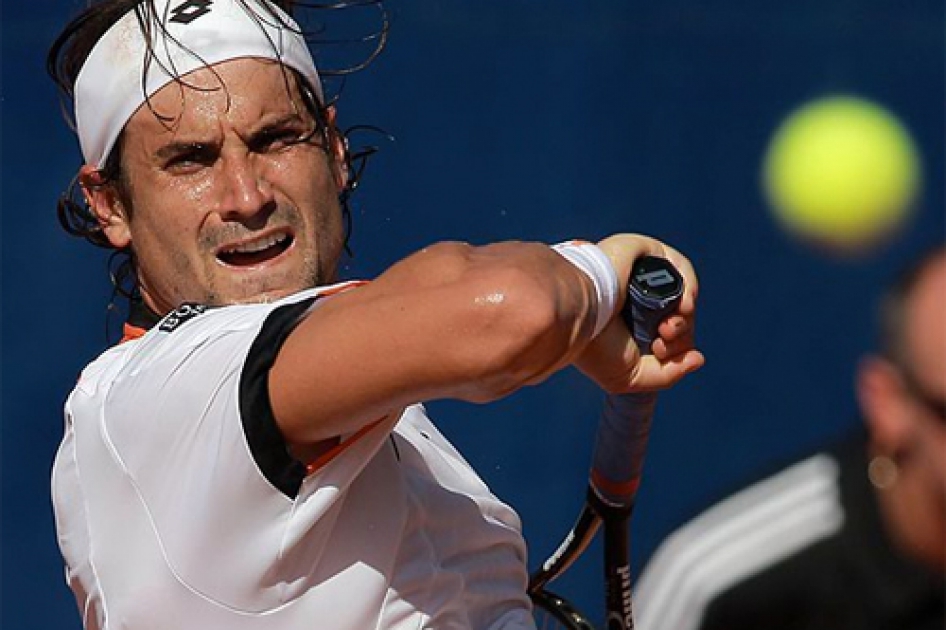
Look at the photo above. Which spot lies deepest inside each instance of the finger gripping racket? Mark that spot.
(654, 291)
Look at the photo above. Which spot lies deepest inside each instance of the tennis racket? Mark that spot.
(654, 291)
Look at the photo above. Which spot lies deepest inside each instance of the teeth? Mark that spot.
(259, 245)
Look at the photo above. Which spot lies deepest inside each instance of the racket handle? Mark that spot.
(654, 291)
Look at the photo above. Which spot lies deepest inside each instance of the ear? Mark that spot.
(884, 405)
(104, 201)
(338, 149)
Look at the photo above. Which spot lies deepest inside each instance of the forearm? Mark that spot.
(452, 321)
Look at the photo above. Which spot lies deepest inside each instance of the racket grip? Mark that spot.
(621, 442)
(654, 292)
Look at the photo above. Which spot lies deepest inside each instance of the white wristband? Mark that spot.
(596, 265)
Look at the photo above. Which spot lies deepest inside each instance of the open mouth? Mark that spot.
(255, 252)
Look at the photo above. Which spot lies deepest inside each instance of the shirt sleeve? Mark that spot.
(266, 442)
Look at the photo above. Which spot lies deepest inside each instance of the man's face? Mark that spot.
(227, 206)
(903, 409)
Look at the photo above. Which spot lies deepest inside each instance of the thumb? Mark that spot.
(654, 374)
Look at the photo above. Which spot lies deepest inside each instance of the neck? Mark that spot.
(915, 518)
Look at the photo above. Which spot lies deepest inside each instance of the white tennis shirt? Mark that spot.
(178, 506)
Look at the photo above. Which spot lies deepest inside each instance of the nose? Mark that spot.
(248, 193)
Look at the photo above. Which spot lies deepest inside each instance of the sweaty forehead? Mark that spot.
(237, 91)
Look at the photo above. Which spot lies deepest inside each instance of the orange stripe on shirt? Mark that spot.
(130, 333)
(340, 448)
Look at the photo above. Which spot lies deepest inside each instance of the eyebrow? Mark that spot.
(176, 148)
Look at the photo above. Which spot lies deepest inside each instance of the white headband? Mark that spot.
(185, 35)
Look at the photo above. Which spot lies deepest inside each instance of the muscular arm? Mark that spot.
(452, 321)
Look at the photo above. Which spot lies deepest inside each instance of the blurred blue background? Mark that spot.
(522, 119)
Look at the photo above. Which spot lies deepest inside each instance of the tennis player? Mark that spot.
(256, 454)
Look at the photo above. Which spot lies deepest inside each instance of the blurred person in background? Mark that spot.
(852, 537)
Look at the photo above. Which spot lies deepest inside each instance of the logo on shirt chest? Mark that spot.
(180, 315)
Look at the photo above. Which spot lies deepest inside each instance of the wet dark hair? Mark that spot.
(73, 46)
(892, 309)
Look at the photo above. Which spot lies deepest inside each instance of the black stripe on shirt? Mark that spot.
(266, 442)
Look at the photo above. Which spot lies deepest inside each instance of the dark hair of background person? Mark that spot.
(892, 311)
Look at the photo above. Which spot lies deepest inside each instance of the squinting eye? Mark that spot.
(198, 156)
(286, 139)
(182, 160)
(281, 139)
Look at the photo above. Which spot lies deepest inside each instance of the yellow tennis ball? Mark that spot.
(841, 172)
